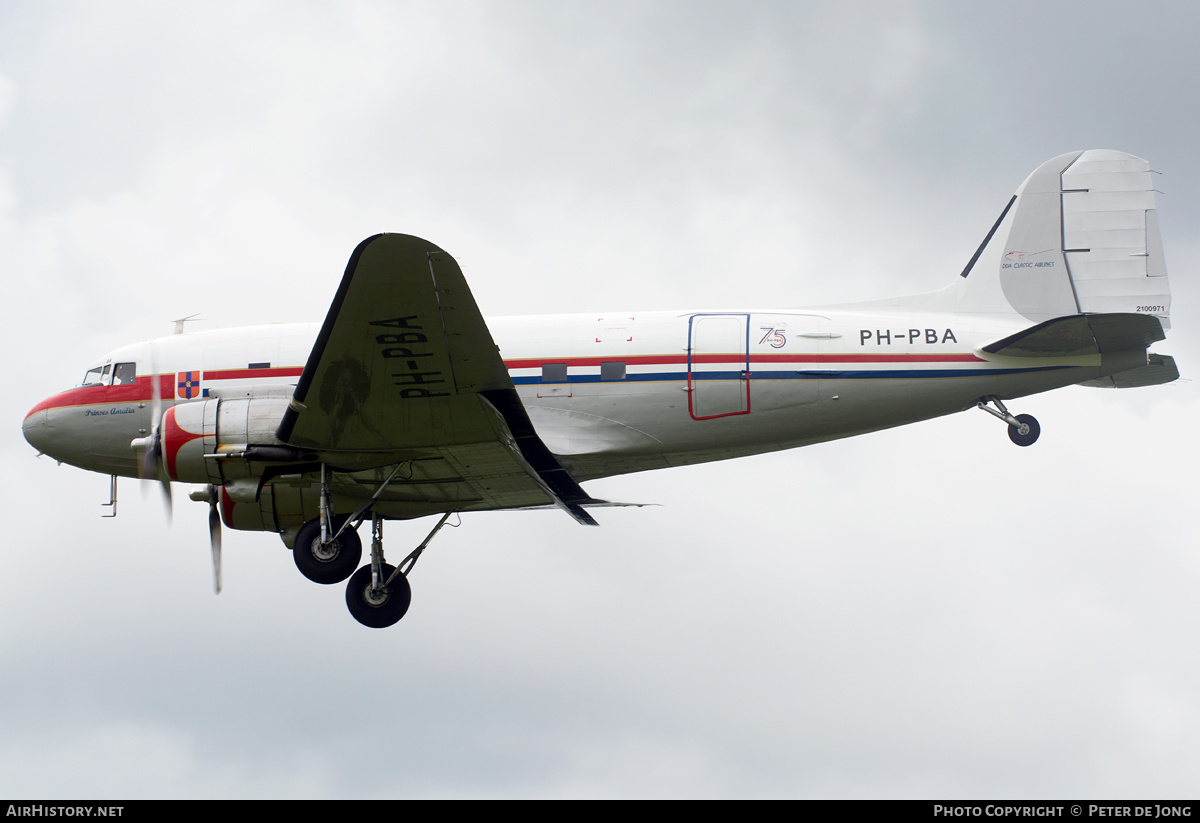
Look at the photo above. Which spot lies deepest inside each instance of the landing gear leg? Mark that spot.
(327, 548)
(1022, 429)
(378, 594)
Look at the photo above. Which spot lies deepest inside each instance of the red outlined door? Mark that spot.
(718, 365)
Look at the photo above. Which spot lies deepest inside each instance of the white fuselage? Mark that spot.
(615, 392)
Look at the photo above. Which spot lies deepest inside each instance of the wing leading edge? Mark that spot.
(405, 367)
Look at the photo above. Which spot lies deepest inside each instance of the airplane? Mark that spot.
(406, 402)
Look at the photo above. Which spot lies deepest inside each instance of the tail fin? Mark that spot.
(1080, 236)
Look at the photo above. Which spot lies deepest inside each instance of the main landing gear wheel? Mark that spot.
(1026, 433)
(331, 562)
(382, 607)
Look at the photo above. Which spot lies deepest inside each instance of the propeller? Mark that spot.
(149, 449)
(151, 467)
(212, 495)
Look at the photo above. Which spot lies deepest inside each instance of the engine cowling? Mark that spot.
(202, 441)
(230, 443)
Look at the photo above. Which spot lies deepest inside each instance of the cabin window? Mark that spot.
(124, 374)
(554, 372)
(259, 366)
(612, 370)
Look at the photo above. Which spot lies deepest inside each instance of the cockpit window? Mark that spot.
(97, 376)
(124, 374)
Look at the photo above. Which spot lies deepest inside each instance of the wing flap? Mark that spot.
(537, 458)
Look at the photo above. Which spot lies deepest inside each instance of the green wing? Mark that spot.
(404, 368)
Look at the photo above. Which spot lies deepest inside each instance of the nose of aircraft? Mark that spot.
(37, 430)
(91, 435)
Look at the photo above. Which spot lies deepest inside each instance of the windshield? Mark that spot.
(122, 374)
(97, 375)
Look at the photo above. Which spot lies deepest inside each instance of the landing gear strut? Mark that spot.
(327, 548)
(1022, 429)
(378, 594)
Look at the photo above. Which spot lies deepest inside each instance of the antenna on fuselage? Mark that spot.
(179, 323)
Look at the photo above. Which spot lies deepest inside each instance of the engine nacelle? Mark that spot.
(226, 429)
(230, 443)
(279, 507)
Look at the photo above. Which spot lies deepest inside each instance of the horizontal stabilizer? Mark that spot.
(1160, 369)
(1081, 334)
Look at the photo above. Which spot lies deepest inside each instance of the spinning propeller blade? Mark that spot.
(150, 465)
(214, 537)
(212, 495)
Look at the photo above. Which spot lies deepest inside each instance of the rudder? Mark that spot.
(1080, 236)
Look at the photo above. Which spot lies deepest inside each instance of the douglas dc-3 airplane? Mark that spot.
(409, 403)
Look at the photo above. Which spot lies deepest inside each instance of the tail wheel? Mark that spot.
(1026, 434)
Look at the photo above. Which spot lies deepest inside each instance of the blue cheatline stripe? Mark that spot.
(808, 374)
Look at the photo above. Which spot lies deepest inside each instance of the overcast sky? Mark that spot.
(1006, 623)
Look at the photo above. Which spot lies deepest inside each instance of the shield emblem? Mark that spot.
(189, 384)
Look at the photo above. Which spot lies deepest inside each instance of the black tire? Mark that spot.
(381, 609)
(1014, 433)
(334, 564)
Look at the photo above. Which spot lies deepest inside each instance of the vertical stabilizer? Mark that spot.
(1080, 236)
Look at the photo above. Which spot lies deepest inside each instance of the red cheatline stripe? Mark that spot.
(681, 359)
(639, 360)
(142, 390)
(244, 374)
